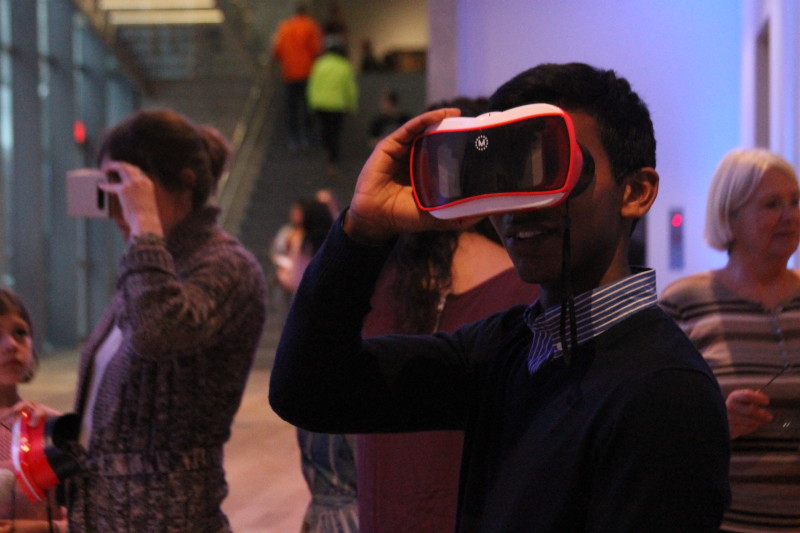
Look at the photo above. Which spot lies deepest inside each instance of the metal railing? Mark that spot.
(249, 141)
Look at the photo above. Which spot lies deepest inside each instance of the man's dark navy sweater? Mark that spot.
(630, 437)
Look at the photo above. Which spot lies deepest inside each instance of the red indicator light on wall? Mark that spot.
(676, 239)
(79, 132)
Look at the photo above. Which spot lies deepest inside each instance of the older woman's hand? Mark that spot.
(746, 411)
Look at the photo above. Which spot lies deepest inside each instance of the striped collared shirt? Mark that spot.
(595, 312)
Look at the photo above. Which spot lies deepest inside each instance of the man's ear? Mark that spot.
(641, 189)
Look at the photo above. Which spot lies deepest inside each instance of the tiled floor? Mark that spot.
(267, 491)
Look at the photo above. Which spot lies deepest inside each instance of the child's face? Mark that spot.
(16, 349)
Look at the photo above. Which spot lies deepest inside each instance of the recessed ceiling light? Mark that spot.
(157, 4)
(166, 16)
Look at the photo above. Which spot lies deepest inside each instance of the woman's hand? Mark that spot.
(383, 204)
(137, 197)
(36, 411)
(746, 411)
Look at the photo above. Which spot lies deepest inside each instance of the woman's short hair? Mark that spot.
(732, 184)
(163, 143)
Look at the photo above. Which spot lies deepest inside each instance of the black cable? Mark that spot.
(568, 346)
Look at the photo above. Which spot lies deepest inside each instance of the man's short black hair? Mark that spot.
(625, 127)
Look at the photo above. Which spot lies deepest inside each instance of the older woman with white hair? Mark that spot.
(745, 320)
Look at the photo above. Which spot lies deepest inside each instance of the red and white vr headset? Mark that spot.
(523, 158)
(40, 461)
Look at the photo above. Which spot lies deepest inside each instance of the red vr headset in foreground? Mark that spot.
(40, 461)
(523, 158)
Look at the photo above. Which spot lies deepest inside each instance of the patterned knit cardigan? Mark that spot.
(191, 314)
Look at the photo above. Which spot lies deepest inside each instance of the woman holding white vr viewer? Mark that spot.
(162, 375)
(581, 411)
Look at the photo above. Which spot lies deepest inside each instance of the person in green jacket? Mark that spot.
(332, 93)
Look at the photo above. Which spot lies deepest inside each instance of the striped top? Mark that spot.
(747, 345)
(595, 312)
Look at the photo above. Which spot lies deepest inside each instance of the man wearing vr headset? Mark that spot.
(584, 413)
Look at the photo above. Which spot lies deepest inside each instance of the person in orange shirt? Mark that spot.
(297, 42)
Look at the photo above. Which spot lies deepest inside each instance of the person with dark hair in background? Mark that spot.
(163, 373)
(326, 460)
(296, 44)
(18, 364)
(332, 94)
(369, 63)
(433, 281)
(745, 320)
(612, 424)
(311, 221)
(334, 28)
(327, 197)
(390, 117)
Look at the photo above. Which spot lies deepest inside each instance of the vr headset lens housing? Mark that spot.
(523, 158)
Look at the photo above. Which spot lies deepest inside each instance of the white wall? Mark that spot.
(442, 50)
(782, 17)
(682, 56)
(392, 25)
(774, 64)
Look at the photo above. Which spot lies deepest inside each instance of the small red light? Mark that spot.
(677, 220)
(79, 132)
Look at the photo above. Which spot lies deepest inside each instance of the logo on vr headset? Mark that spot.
(535, 162)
